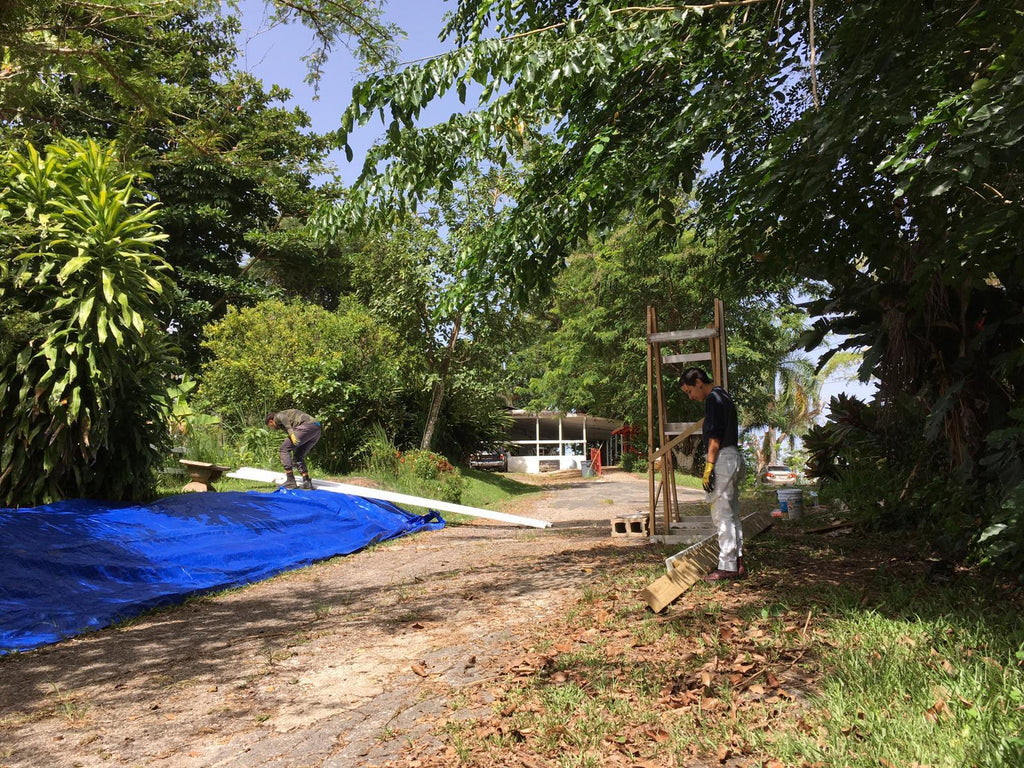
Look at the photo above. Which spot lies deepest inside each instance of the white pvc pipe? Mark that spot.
(266, 476)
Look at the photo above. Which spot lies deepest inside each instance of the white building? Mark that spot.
(548, 441)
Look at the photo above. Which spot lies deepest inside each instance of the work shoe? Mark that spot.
(719, 575)
(290, 483)
(307, 484)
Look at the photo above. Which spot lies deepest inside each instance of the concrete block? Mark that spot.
(630, 526)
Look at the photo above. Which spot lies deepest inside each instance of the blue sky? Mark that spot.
(275, 56)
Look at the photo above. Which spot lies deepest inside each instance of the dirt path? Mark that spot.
(345, 663)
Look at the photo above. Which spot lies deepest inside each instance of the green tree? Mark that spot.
(453, 397)
(408, 276)
(232, 165)
(598, 103)
(88, 368)
(235, 200)
(590, 349)
(901, 170)
(82, 46)
(344, 367)
(795, 408)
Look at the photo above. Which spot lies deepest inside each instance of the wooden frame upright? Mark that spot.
(664, 435)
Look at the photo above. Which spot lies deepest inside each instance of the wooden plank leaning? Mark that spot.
(267, 476)
(677, 440)
(688, 567)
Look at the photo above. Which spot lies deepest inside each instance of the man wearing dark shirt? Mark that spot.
(303, 432)
(722, 470)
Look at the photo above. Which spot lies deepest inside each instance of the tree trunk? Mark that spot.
(439, 387)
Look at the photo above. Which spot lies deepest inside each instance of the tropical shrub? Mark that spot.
(378, 455)
(417, 472)
(342, 367)
(890, 478)
(428, 474)
(629, 461)
(84, 379)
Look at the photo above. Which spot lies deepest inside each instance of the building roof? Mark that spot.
(524, 426)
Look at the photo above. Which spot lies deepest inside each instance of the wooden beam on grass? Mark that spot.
(688, 567)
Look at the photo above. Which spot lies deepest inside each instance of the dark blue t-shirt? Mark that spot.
(720, 419)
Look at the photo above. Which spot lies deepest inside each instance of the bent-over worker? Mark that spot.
(722, 470)
(303, 433)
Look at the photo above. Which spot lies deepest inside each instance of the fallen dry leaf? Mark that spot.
(659, 735)
(935, 711)
(419, 669)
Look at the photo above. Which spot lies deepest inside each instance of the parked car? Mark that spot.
(494, 458)
(778, 474)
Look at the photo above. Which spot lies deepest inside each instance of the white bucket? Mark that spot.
(791, 500)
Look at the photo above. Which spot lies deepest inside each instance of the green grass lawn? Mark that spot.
(489, 489)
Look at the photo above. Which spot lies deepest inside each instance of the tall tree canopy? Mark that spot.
(408, 276)
(109, 45)
(871, 147)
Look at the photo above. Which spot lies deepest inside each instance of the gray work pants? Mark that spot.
(725, 507)
(291, 454)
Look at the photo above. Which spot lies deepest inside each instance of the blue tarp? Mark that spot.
(77, 565)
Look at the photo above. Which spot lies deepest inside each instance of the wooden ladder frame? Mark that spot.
(663, 435)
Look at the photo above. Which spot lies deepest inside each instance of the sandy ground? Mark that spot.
(349, 662)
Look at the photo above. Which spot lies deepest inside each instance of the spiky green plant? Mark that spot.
(83, 390)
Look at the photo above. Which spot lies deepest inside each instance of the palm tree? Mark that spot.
(794, 408)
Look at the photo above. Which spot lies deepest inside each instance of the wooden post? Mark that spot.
(722, 377)
(668, 478)
(651, 326)
(713, 351)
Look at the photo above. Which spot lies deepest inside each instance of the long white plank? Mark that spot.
(266, 476)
